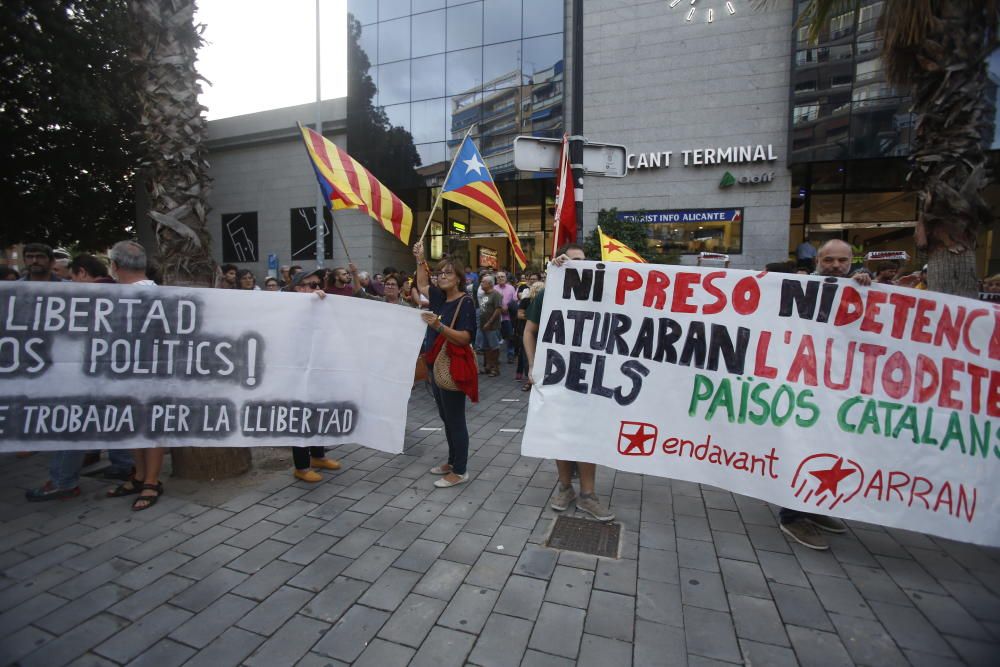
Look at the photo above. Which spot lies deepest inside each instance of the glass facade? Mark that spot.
(440, 67)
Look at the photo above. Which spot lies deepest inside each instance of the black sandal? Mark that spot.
(131, 487)
(145, 502)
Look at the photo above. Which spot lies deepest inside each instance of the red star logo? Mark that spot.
(611, 247)
(636, 444)
(829, 479)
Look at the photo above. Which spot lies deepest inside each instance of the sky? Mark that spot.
(258, 57)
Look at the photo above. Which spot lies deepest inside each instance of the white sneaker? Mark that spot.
(444, 483)
(442, 469)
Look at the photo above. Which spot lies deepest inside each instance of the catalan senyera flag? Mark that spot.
(613, 250)
(347, 184)
(471, 185)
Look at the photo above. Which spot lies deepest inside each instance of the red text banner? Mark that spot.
(874, 403)
(98, 366)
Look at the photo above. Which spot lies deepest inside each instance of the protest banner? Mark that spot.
(873, 403)
(85, 366)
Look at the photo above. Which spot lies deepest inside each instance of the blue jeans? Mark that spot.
(507, 333)
(451, 407)
(64, 466)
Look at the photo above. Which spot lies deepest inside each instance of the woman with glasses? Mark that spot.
(271, 285)
(451, 322)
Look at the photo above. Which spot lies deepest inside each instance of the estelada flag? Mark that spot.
(471, 185)
(565, 215)
(347, 184)
(613, 250)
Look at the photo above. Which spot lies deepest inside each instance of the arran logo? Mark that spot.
(637, 439)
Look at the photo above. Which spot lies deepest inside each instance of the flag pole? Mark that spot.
(437, 200)
(341, 236)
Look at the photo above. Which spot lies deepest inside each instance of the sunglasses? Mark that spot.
(311, 285)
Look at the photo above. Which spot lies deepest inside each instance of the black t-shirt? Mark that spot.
(466, 320)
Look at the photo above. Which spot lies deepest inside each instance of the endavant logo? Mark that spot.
(637, 439)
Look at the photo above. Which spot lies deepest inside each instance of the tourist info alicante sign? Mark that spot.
(97, 366)
(874, 403)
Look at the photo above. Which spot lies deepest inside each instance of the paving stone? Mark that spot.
(444, 648)
(412, 620)
(248, 517)
(419, 556)
(558, 630)
(205, 541)
(300, 529)
(209, 589)
(443, 529)
(484, 522)
(658, 645)
(910, 629)
(466, 548)
(521, 597)
(502, 641)
(143, 551)
(538, 659)
(974, 652)
(734, 546)
(918, 659)
(254, 535)
(522, 516)
(800, 606)
(315, 576)
(867, 641)
(757, 619)
(372, 564)
(710, 633)
(703, 589)
(151, 570)
(335, 599)
(425, 512)
(272, 613)
(469, 608)
(209, 562)
(41, 560)
(43, 606)
(148, 598)
(820, 562)
(269, 579)
(491, 571)
(290, 643)
(782, 568)
(91, 558)
(743, 578)
(351, 634)
(611, 615)
(391, 588)
(840, 596)
(69, 616)
(284, 496)
(355, 543)
(385, 519)
(659, 602)
(767, 537)
(755, 653)
(129, 642)
(657, 565)
(570, 586)
(442, 579)
(909, 574)
(509, 540)
(948, 616)
(617, 576)
(601, 652)
(537, 561)
(164, 653)
(876, 585)
(384, 654)
(258, 557)
(822, 649)
(979, 602)
(25, 641)
(203, 521)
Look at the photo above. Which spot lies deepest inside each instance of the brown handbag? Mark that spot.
(420, 369)
(442, 363)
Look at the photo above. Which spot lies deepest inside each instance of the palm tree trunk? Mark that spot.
(176, 175)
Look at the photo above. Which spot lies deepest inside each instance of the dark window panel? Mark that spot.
(398, 115)
(427, 77)
(240, 237)
(429, 120)
(540, 17)
(394, 83)
(428, 32)
(465, 26)
(392, 9)
(542, 56)
(464, 71)
(364, 11)
(302, 230)
(880, 206)
(394, 40)
(881, 127)
(502, 65)
(502, 20)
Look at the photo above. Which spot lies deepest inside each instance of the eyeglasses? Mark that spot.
(311, 285)
(441, 274)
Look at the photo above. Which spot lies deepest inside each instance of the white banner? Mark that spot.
(96, 366)
(874, 403)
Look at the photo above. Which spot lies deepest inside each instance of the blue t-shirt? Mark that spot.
(466, 320)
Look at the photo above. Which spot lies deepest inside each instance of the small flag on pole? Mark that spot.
(613, 250)
(347, 184)
(471, 185)
(565, 215)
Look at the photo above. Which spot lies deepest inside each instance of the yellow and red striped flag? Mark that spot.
(613, 250)
(347, 184)
(470, 184)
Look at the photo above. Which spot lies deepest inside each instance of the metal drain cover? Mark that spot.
(585, 536)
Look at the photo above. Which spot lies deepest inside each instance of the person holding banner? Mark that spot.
(588, 501)
(451, 322)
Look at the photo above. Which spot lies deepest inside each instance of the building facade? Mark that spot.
(743, 137)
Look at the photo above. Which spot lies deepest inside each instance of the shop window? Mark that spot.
(691, 231)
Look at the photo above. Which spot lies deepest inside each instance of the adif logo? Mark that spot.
(636, 439)
(728, 180)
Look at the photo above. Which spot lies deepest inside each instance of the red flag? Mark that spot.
(565, 215)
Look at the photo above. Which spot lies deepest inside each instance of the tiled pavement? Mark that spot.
(374, 567)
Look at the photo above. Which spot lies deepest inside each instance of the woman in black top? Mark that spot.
(452, 315)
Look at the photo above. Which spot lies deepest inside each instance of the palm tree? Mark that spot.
(175, 171)
(938, 49)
